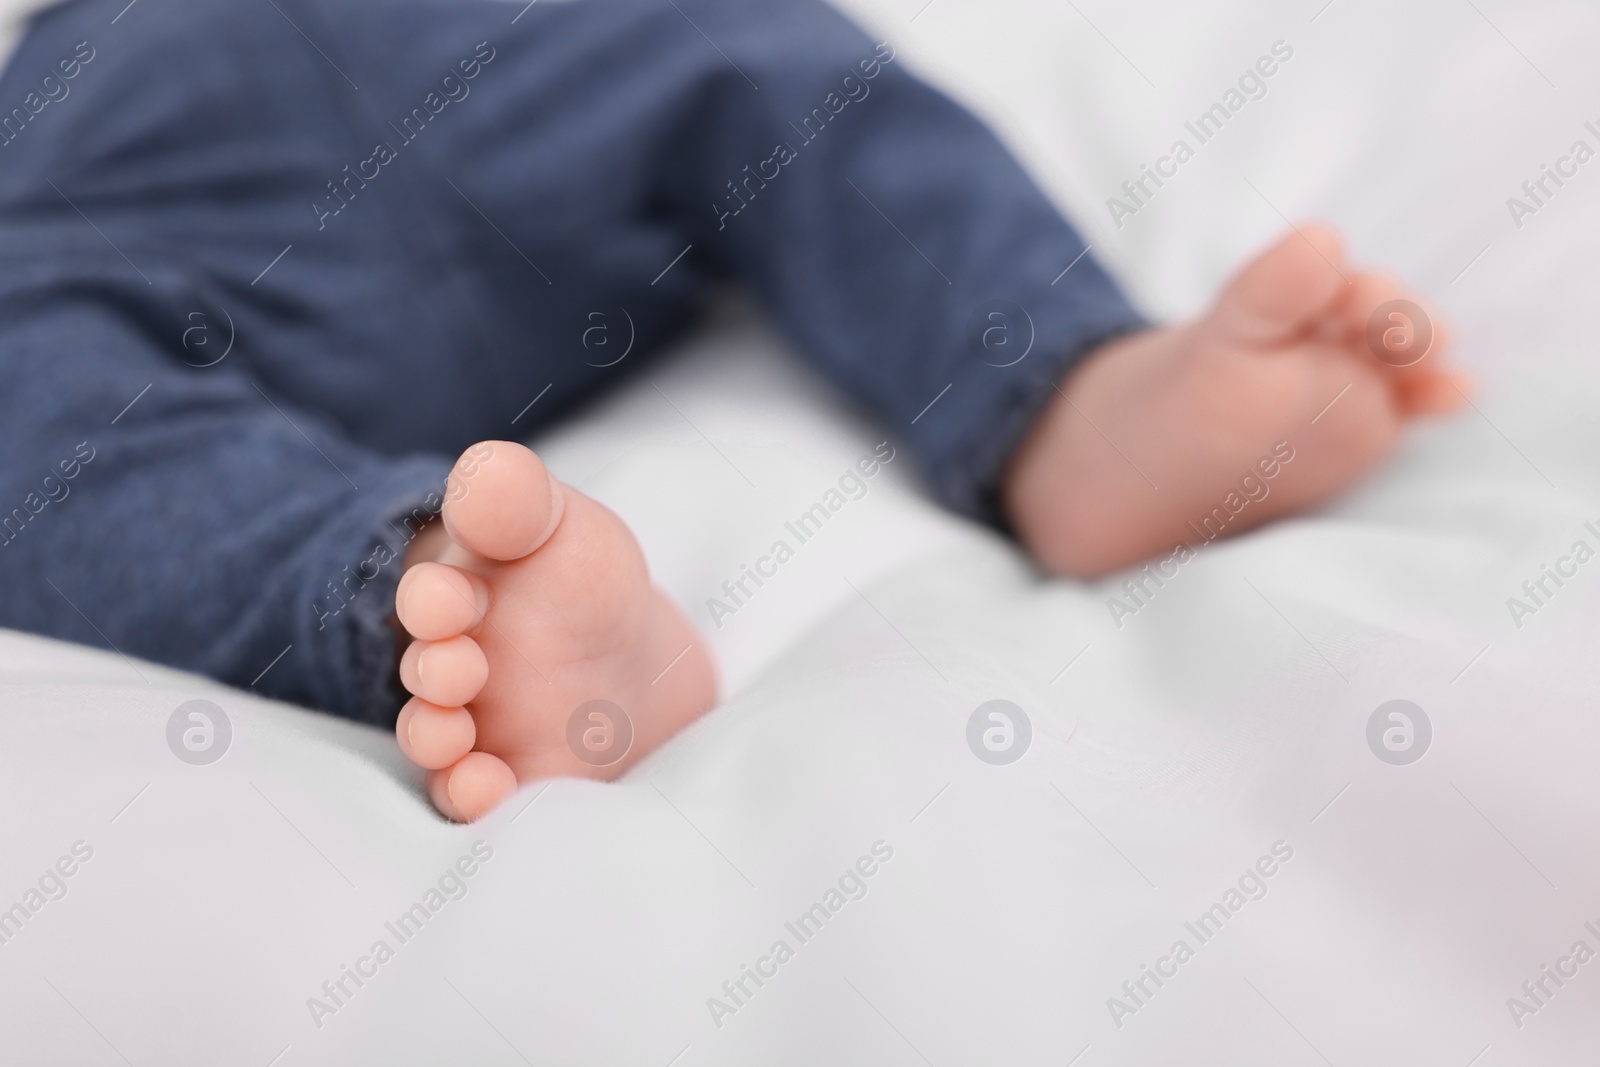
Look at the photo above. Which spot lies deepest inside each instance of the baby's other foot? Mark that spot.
(1156, 431)
(536, 602)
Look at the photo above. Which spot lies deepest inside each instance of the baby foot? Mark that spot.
(1156, 430)
(536, 602)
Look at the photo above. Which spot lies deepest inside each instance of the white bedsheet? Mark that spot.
(1169, 757)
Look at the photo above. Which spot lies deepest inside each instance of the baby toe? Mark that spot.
(1286, 291)
(447, 673)
(472, 787)
(1391, 324)
(501, 502)
(433, 737)
(436, 601)
(1436, 394)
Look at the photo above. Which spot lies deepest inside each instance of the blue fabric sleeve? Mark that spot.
(192, 516)
(247, 518)
(894, 237)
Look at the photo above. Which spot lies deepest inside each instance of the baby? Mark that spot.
(270, 265)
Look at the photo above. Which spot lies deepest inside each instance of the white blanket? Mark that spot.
(1200, 772)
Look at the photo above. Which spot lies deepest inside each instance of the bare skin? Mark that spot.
(1155, 429)
(526, 602)
(530, 600)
